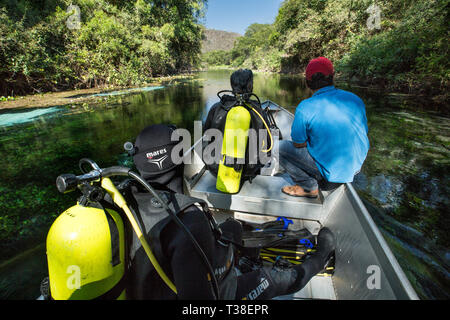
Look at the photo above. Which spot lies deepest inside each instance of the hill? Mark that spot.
(218, 40)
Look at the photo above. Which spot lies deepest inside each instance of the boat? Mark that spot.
(365, 267)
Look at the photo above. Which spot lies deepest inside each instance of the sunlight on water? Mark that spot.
(9, 119)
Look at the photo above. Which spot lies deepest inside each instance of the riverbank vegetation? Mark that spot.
(49, 46)
(395, 44)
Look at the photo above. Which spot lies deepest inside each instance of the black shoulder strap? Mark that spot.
(114, 233)
(116, 291)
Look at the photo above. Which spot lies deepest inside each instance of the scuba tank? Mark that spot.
(86, 251)
(261, 120)
(234, 148)
(86, 244)
(235, 141)
(85, 256)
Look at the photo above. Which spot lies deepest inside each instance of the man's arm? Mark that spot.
(298, 131)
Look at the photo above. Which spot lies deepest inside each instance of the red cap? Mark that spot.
(322, 65)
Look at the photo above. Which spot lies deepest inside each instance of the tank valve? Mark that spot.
(67, 183)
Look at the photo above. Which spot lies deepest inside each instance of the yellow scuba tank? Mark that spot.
(86, 255)
(234, 148)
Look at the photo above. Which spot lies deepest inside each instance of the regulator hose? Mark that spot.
(267, 128)
(118, 199)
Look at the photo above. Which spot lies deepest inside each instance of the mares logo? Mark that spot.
(255, 293)
(159, 162)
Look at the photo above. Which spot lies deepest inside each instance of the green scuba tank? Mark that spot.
(234, 148)
(86, 255)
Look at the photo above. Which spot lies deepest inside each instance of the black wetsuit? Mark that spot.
(184, 266)
(176, 254)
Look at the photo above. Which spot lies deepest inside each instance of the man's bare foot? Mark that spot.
(297, 191)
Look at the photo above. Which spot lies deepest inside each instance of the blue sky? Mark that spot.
(237, 15)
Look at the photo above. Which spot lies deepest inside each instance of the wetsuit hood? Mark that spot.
(153, 156)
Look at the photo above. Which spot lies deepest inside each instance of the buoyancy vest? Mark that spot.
(143, 281)
(217, 120)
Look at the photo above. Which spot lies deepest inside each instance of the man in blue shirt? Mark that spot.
(329, 135)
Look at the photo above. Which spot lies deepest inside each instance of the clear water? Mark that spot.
(404, 182)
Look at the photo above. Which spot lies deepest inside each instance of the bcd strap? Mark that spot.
(116, 291)
(215, 228)
(233, 163)
(115, 240)
(114, 234)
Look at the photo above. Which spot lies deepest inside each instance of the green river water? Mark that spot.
(404, 182)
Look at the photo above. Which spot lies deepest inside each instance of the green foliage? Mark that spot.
(413, 49)
(217, 58)
(255, 39)
(119, 43)
(37, 205)
(410, 48)
(8, 98)
(254, 50)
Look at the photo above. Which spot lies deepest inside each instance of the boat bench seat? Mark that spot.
(263, 196)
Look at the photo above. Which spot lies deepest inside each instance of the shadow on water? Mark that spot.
(21, 278)
(404, 182)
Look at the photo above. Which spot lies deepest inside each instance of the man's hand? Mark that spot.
(300, 145)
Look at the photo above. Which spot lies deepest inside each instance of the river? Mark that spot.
(404, 182)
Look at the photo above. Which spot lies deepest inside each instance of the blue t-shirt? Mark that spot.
(333, 122)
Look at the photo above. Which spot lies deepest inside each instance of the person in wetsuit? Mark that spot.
(241, 82)
(176, 252)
